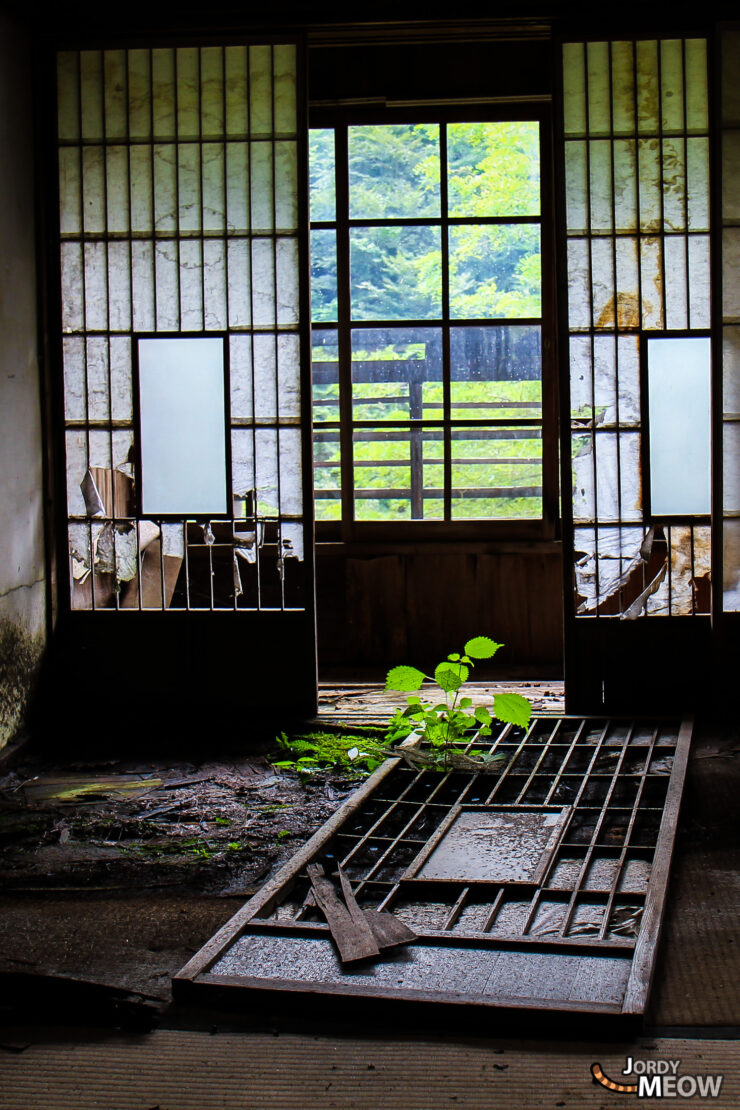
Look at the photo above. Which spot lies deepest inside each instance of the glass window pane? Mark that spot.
(321, 172)
(493, 169)
(495, 373)
(395, 273)
(398, 473)
(679, 401)
(325, 375)
(496, 472)
(393, 171)
(495, 272)
(323, 274)
(182, 422)
(327, 474)
(396, 373)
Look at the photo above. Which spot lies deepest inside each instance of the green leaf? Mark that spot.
(481, 714)
(513, 709)
(450, 676)
(482, 647)
(465, 703)
(406, 679)
(454, 658)
(413, 700)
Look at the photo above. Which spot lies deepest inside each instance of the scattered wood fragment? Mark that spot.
(387, 929)
(353, 936)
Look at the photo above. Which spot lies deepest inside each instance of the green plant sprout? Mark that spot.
(443, 725)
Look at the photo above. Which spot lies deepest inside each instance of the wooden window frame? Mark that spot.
(347, 529)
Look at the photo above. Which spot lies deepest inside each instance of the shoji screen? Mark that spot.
(730, 269)
(180, 274)
(636, 160)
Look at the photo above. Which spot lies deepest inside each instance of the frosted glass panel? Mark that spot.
(183, 440)
(679, 404)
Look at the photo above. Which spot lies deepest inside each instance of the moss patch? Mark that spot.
(20, 657)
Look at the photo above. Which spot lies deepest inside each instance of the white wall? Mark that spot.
(22, 573)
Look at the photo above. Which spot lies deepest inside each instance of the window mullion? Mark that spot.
(444, 245)
(344, 337)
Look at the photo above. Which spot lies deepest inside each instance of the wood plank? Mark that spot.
(351, 933)
(387, 929)
(643, 963)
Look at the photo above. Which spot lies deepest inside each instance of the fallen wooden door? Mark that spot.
(541, 885)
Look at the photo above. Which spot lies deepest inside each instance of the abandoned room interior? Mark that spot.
(334, 346)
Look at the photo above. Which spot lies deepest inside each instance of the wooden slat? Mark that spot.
(643, 963)
(352, 934)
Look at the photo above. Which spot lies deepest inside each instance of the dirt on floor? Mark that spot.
(117, 872)
(132, 865)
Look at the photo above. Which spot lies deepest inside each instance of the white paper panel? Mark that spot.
(731, 369)
(239, 272)
(284, 71)
(731, 466)
(214, 284)
(211, 92)
(120, 369)
(68, 95)
(167, 288)
(91, 88)
(676, 280)
(289, 371)
(72, 286)
(191, 284)
(623, 88)
(214, 201)
(697, 96)
(96, 286)
(671, 81)
(625, 184)
(73, 350)
(142, 272)
(260, 90)
(188, 93)
(265, 377)
(139, 94)
(237, 96)
(648, 107)
(240, 372)
(731, 566)
(70, 191)
(117, 189)
(599, 98)
(119, 285)
(242, 461)
(700, 282)
(93, 189)
(574, 88)
(116, 107)
(163, 94)
(291, 490)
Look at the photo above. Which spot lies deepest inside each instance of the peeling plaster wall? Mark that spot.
(22, 564)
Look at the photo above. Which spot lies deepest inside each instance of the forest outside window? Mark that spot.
(428, 305)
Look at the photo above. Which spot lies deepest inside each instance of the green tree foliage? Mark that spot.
(396, 273)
